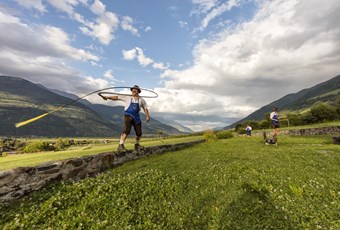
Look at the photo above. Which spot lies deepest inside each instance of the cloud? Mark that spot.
(148, 28)
(217, 11)
(142, 59)
(203, 6)
(126, 25)
(64, 5)
(98, 7)
(183, 24)
(159, 65)
(103, 28)
(41, 56)
(33, 4)
(138, 53)
(129, 55)
(109, 76)
(287, 46)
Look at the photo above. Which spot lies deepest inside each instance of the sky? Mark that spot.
(211, 62)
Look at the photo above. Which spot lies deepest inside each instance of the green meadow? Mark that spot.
(235, 183)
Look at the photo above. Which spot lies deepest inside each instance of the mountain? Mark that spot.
(21, 100)
(325, 92)
(174, 124)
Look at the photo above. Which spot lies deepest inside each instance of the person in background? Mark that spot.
(133, 105)
(274, 117)
(248, 130)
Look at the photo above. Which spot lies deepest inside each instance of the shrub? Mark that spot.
(224, 135)
(62, 144)
(38, 146)
(323, 112)
(209, 135)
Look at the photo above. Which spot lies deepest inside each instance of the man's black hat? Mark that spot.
(136, 87)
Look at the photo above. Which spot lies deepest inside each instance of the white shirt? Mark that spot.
(272, 114)
(127, 101)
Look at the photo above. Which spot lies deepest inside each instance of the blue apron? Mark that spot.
(275, 120)
(133, 111)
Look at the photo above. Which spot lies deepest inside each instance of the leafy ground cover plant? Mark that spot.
(235, 183)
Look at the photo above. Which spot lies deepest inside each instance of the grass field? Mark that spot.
(235, 183)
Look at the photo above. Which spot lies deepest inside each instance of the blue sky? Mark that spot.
(211, 61)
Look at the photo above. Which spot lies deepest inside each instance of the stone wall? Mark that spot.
(335, 131)
(18, 182)
(316, 131)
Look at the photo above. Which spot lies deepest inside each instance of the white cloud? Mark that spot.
(32, 4)
(183, 24)
(129, 55)
(41, 56)
(103, 28)
(109, 75)
(60, 41)
(98, 7)
(285, 45)
(126, 25)
(143, 60)
(64, 5)
(159, 65)
(203, 6)
(217, 11)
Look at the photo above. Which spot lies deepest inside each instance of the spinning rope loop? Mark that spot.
(20, 124)
(125, 94)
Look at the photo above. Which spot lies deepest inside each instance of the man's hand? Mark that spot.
(147, 118)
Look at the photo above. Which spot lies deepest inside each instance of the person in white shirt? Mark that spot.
(274, 117)
(248, 130)
(133, 105)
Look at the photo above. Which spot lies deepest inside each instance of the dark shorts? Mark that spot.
(275, 126)
(128, 123)
(249, 133)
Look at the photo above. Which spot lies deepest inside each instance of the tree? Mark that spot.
(323, 112)
(337, 104)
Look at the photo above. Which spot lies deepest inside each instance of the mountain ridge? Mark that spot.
(323, 92)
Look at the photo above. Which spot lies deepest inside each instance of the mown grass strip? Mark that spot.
(33, 159)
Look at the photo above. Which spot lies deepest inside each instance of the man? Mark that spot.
(274, 117)
(133, 105)
(248, 130)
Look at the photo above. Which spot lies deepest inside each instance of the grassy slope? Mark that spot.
(237, 183)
